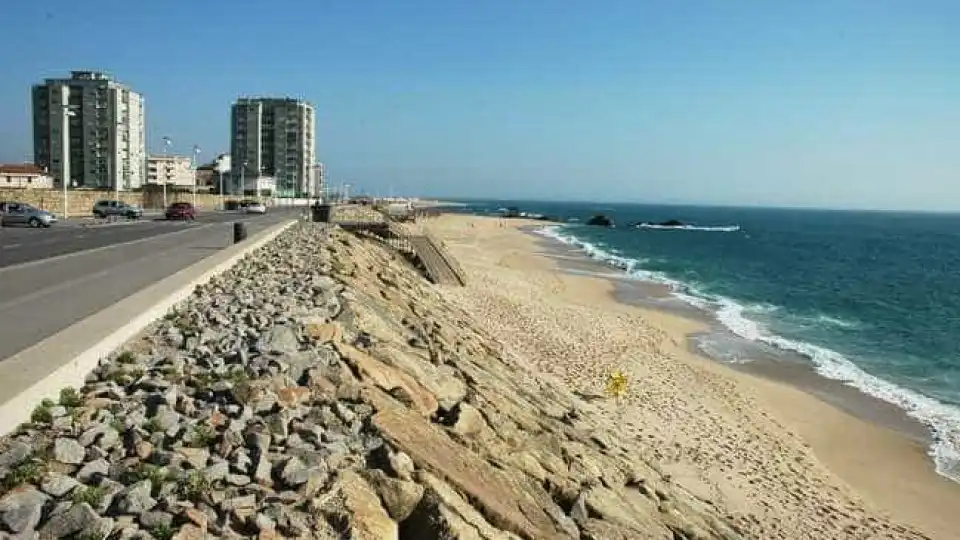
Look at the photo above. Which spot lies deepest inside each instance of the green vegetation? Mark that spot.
(152, 425)
(91, 495)
(144, 471)
(28, 472)
(42, 414)
(163, 532)
(69, 397)
(202, 436)
(194, 485)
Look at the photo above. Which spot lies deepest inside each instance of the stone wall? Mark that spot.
(81, 201)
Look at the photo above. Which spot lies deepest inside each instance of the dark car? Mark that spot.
(181, 210)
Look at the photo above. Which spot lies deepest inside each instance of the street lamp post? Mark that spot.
(243, 178)
(196, 159)
(220, 175)
(167, 144)
(65, 155)
(117, 167)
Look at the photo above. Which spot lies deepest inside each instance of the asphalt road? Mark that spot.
(20, 245)
(40, 299)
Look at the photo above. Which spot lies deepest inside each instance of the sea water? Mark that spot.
(868, 298)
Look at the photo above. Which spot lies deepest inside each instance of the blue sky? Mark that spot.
(815, 103)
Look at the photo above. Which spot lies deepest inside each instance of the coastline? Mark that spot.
(788, 368)
(845, 445)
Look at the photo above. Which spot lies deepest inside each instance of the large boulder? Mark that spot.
(601, 220)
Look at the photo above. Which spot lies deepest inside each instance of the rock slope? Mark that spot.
(323, 389)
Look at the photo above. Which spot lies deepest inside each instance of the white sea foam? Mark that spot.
(654, 226)
(943, 420)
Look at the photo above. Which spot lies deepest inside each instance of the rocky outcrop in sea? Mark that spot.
(323, 389)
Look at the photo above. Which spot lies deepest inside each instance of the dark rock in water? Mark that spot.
(668, 223)
(600, 220)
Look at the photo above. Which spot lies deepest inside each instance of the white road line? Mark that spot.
(101, 248)
(10, 246)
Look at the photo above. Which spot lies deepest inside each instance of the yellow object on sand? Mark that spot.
(617, 384)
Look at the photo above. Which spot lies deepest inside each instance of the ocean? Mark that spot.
(871, 299)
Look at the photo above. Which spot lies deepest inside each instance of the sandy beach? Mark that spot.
(782, 463)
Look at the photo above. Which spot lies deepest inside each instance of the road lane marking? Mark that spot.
(100, 248)
(199, 226)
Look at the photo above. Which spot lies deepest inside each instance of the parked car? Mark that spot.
(15, 213)
(107, 208)
(253, 207)
(181, 210)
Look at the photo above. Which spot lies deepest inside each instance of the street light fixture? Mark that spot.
(118, 168)
(67, 112)
(220, 174)
(196, 160)
(243, 178)
(167, 145)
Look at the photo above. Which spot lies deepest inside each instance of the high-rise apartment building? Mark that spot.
(275, 138)
(107, 147)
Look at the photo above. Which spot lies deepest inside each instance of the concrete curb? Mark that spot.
(66, 358)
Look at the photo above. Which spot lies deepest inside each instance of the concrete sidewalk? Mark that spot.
(65, 358)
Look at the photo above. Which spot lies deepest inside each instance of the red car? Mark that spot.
(181, 210)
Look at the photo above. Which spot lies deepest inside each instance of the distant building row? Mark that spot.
(272, 142)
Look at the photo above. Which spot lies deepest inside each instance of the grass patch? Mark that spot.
(156, 474)
(237, 376)
(203, 436)
(194, 485)
(162, 532)
(91, 495)
(28, 472)
(152, 425)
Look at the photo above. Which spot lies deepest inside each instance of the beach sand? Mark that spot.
(783, 463)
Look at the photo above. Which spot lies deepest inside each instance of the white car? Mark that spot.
(253, 207)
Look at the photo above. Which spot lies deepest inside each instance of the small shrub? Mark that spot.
(144, 471)
(194, 485)
(28, 472)
(91, 495)
(126, 357)
(203, 436)
(69, 397)
(237, 376)
(163, 532)
(41, 415)
(152, 425)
